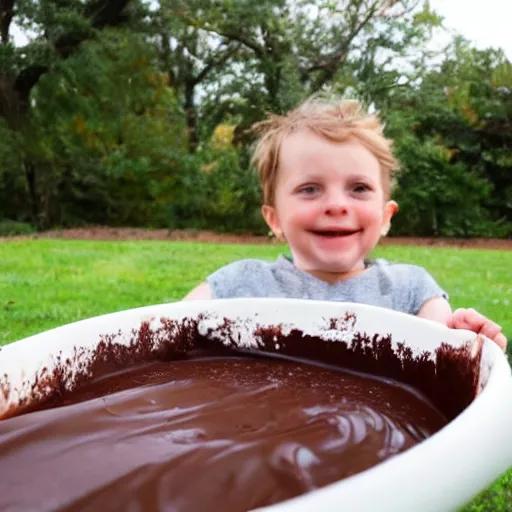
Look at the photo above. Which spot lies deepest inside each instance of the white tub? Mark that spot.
(440, 474)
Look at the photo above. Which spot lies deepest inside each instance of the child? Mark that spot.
(326, 171)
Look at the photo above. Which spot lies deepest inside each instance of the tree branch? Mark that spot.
(235, 36)
(215, 61)
(330, 66)
(106, 13)
(319, 66)
(400, 14)
(6, 15)
(27, 78)
(389, 87)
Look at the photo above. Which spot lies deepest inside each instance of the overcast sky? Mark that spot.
(484, 22)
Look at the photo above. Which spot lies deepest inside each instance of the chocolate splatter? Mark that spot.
(453, 369)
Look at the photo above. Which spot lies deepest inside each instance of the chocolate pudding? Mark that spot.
(210, 413)
(226, 433)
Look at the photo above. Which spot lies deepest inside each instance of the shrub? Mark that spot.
(13, 228)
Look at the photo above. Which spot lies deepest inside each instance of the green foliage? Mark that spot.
(220, 194)
(288, 52)
(452, 132)
(109, 136)
(13, 228)
(104, 123)
(12, 183)
(438, 198)
(120, 144)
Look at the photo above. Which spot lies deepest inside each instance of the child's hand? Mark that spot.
(473, 321)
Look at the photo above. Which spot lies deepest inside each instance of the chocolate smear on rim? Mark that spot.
(451, 368)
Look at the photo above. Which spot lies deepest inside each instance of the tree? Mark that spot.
(188, 54)
(453, 139)
(292, 50)
(107, 114)
(112, 134)
(58, 27)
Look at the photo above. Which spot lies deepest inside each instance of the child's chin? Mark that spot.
(338, 268)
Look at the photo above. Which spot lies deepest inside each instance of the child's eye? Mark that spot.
(309, 190)
(361, 187)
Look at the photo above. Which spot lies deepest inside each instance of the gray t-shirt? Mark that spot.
(395, 286)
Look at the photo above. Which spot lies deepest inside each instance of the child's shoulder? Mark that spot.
(246, 265)
(408, 277)
(402, 271)
(242, 278)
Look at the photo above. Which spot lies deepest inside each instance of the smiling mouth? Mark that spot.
(333, 234)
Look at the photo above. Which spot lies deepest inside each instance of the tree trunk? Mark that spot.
(272, 84)
(6, 15)
(31, 178)
(435, 223)
(191, 117)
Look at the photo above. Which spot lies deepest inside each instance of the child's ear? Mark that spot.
(270, 215)
(390, 208)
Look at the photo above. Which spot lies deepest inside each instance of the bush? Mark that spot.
(438, 197)
(13, 228)
(218, 191)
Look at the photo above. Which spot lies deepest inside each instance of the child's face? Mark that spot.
(329, 203)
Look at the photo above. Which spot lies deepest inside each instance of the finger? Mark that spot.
(463, 319)
(491, 330)
(473, 320)
(455, 319)
(482, 325)
(501, 341)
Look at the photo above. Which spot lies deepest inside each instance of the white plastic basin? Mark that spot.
(440, 474)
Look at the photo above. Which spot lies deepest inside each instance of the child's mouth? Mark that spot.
(334, 233)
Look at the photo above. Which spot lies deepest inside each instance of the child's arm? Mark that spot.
(200, 292)
(439, 310)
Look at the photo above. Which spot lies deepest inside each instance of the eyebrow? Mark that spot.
(320, 177)
(311, 177)
(363, 177)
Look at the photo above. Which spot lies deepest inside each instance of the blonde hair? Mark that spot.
(336, 121)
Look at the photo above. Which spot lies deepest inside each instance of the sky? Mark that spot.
(484, 22)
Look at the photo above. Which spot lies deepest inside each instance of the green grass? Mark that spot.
(47, 283)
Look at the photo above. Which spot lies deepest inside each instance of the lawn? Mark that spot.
(47, 283)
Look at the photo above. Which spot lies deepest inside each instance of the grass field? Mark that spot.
(47, 283)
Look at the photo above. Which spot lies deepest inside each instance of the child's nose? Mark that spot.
(336, 204)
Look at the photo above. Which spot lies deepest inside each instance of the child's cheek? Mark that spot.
(370, 217)
(306, 216)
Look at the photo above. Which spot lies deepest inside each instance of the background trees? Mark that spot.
(128, 112)
(453, 134)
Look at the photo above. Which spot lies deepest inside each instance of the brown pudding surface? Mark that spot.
(213, 433)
